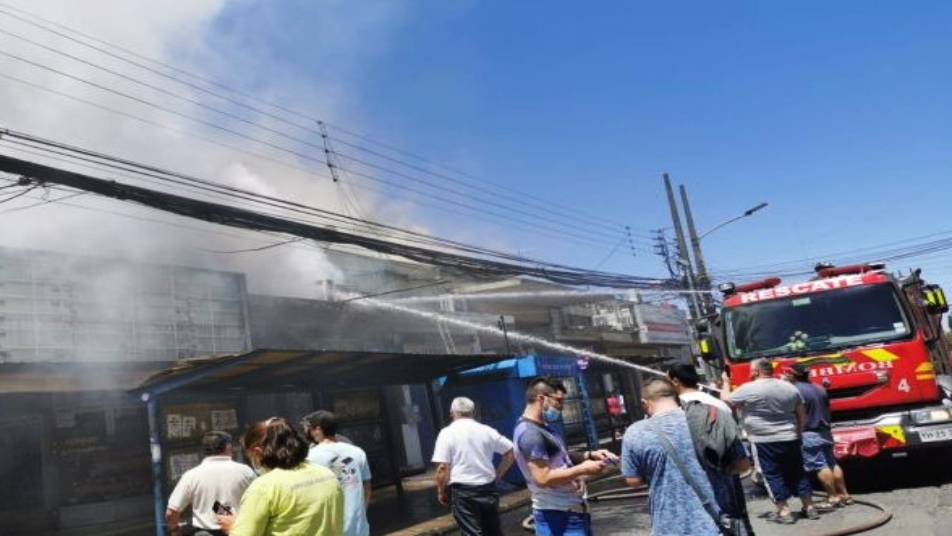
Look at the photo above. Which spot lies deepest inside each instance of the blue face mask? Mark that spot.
(551, 415)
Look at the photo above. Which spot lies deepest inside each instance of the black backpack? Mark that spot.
(713, 432)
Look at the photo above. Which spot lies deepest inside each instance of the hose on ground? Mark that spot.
(642, 491)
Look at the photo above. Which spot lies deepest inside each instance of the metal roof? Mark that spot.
(68, 377)
(270, 370)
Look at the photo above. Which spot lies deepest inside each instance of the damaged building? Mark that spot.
(105, 362)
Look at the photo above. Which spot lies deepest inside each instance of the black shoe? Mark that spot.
(809, 513)
(785, 519)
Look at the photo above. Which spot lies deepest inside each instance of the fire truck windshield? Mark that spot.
(815, 322)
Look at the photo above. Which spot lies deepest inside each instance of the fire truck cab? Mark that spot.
(872, 339)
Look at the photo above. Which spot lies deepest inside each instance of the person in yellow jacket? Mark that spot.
(291, 497)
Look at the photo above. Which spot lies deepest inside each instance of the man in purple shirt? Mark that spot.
(555, 476)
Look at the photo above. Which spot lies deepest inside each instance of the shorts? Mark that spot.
(818, 451)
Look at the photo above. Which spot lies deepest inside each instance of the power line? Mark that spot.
(179, 178)
(192, 182)
(242, 218)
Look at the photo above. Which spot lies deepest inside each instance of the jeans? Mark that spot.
(562, 523)
(476, 509)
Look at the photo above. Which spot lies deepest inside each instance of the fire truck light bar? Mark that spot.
(825, 270)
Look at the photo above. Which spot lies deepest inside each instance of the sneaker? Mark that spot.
(810, 513)
(785, 519)
(826, 506)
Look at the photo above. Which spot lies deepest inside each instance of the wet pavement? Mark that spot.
(916, 493)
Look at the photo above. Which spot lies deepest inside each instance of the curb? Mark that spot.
(445, 524)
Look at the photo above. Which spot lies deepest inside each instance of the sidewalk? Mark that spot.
(417, 512)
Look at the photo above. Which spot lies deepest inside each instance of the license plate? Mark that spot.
(941, 434)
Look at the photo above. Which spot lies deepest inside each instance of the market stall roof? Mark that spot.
(270, 370)
(71, 377)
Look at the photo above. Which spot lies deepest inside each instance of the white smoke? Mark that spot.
(190, 36)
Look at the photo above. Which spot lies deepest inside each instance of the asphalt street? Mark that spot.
(917, 492)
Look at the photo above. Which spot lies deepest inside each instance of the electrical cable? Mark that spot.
(271, 201)
(18, 194)
(155, 172)
(246, 219)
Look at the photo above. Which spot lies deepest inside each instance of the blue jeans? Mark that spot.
(562, 523)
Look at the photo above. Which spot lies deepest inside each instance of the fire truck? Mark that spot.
(872, 339)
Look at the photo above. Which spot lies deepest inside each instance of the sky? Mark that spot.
(560, 119)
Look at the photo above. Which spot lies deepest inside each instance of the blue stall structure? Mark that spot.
(499, 393)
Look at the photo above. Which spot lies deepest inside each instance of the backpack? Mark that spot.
(713, 432)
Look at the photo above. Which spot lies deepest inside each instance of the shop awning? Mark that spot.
(270, 370)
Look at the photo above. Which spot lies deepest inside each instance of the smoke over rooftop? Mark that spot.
(81, 73)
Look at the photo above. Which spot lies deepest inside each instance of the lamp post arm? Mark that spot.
(746, 213)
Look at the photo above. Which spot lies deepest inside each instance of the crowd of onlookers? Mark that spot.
(688, 451)
(300, 482)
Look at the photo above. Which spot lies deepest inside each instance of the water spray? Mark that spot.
(358, 299)
(607, 294)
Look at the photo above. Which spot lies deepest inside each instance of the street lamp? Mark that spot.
(703, 281)
(746, 213)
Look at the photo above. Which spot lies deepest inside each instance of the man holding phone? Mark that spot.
(212, 487)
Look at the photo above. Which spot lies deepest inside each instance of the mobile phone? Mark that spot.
(221, 509)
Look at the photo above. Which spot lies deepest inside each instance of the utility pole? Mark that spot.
(505, 333)
(703, 282)
(684, 259)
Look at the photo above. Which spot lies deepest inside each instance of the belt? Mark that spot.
(490, 485)
(581, 508)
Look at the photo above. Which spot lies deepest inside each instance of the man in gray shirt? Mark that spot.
(774, 416)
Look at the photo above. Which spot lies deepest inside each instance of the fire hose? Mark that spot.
(620, 493)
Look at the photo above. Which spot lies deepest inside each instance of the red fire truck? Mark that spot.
(872, 339)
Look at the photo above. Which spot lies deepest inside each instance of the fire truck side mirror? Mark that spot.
(935, 299)
(702, 326)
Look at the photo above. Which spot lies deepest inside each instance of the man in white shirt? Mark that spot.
(464, 456)
(217, 479)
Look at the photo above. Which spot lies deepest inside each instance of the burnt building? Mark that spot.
(106, 365)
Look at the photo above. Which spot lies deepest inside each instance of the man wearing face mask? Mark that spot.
(555, 477)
